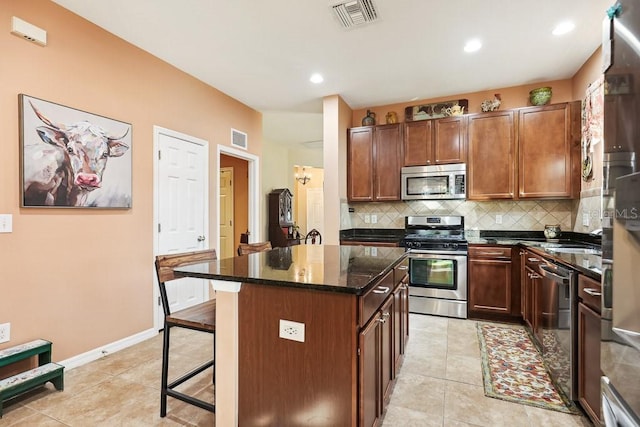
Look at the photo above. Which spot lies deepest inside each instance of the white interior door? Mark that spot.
(315, 209)
(182, 209)
(226, 213)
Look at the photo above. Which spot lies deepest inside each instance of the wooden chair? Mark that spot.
(313, 235)
(249, 248)
(201, 317)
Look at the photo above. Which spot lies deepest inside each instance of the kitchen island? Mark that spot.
(308, 335)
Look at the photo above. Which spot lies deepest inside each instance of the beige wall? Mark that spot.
(590, 196)
(337, 119)
(84, 278)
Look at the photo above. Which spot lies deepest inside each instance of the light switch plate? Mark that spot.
(585, 219)
(6, 223)
(498, 219)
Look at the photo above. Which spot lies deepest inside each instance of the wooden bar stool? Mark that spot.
(200, 317)
(249, 248)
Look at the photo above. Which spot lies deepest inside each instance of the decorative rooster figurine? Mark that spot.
(491, 104)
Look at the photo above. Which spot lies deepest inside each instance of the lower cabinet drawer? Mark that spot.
(590, 291)
(490, 252)
(372, 300)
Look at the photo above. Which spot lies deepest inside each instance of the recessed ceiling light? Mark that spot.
(473, 45)
(563, 28)
(316, 78)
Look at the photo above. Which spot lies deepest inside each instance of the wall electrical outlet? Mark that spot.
(498, 219)
(5, 332)
(293, 331)
(585, 219)
(374, 219)
(367, 219)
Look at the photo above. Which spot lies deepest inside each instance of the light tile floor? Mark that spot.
(440, 384)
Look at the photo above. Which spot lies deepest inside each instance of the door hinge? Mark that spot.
(159, 227)
(159, 301)
(358, 352)
(159, 155)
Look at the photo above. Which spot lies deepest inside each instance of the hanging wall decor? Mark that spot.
(71, 158)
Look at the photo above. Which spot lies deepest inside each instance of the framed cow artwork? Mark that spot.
(71, 158)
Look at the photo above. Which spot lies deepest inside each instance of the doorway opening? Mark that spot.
(234, 203)
(308, 196)
(245, 195)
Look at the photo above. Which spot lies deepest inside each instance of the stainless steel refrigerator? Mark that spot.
(620, 345)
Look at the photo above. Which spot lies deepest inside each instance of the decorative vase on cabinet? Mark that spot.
(369, 119)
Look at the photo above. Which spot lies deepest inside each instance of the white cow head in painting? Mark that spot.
(87, 146)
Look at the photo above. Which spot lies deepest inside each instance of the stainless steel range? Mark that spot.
(437, 265)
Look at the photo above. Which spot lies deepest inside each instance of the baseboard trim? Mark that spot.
(97, 353)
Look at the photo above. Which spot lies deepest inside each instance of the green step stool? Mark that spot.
(28, 380)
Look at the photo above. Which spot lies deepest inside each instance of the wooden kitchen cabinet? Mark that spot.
(374, 156)
(493, 292)
(382, 342)
(491, 172)
(435, 142)
(549, 151)
(450, 140)
(376, 361)
(418, 143)
(589, 331)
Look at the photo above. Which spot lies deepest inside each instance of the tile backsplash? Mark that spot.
(494, 215)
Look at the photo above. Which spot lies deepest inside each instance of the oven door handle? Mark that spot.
(413, 253)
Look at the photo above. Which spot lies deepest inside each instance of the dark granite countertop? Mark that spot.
(589, 264)
(385, 235)
(346, 269)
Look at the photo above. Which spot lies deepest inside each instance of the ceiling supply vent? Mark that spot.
(355, 12)
(238, 139)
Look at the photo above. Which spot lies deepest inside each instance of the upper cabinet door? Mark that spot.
(549, 153)
(450, 144)
(387, 162)
(418, 143)
(360, 164)
(491, 171)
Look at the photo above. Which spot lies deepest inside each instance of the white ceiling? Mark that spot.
(262, 53)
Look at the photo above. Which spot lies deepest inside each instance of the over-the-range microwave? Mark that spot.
(434, 182)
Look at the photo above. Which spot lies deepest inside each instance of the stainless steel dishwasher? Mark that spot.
(560, 326)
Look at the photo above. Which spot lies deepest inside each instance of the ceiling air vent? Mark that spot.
(238, 139)
(354, 13)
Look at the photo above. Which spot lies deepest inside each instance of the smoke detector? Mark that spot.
(352, 13)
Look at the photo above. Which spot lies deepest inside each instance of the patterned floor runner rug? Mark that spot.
(513, 370)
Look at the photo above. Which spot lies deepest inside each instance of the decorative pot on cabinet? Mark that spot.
(369, 119)
(552, 232)
(391, 117)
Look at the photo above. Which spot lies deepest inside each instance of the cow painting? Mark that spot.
(64, 163)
